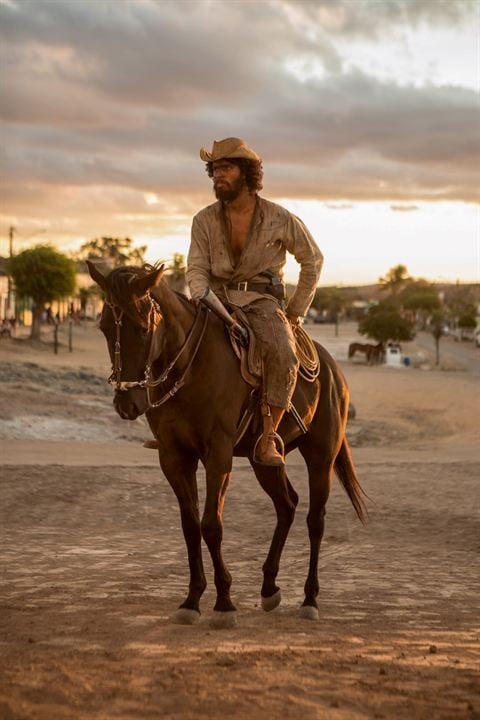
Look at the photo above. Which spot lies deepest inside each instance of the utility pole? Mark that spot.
(11, 231)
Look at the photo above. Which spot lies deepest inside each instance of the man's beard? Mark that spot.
(230, 191)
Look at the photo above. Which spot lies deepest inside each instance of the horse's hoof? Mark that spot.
(185, 616)
(223, 620)
(270, 603)
(309, 612)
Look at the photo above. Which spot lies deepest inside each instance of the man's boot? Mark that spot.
(266, 452)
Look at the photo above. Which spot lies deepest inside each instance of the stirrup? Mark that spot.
(278, 442)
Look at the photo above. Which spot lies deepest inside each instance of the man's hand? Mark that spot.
(294, 320)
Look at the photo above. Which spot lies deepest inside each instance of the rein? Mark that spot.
(122, 385)
(150, 383)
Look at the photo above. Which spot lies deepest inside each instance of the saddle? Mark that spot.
(249, 357)
(305, 398)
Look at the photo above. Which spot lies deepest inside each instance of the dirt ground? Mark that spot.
(93, 563)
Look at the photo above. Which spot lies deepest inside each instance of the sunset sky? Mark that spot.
(366, 114)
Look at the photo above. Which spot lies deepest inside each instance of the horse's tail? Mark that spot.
(347, 475)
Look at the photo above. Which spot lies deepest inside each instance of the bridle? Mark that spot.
(196, 331)
(115, 377)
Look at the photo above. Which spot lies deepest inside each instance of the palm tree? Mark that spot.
(119, 251)
(395, 279)
(176, 273)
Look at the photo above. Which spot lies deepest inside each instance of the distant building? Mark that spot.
(5, 312)
(87, 304)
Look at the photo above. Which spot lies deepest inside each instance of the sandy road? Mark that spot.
(465, 354)
(93, 564)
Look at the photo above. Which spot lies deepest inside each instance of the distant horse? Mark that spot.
(175, 362)
(374, 354)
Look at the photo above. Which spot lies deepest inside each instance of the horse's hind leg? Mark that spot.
(277, 485)
(319, 478)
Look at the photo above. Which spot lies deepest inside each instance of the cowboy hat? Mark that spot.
(229, 148)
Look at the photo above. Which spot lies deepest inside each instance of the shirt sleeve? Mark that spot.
(198, 260)
(300, 243)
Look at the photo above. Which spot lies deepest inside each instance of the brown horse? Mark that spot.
(173, 361)
(374, 354)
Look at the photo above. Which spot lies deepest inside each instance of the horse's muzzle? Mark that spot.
(129, 404)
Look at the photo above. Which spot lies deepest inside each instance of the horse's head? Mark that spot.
(129, 320)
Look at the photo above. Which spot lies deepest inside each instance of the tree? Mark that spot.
(176, 273)
(338, 301)
(395, 279)
(321, 299)
(383, 322)
(467, 321)
(119, 251)
(421, 298)
(332, 300)
(87, 294)
(461, 302)
(437, 325)
(44, 275)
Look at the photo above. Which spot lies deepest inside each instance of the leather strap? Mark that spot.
(198, 327)
(252, 287)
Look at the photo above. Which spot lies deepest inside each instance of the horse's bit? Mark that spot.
(122, 385)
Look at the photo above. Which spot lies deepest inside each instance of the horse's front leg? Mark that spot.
(181, 474)
(218, 477)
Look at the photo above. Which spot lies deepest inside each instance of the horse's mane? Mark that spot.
(120, 278)
(119, 283)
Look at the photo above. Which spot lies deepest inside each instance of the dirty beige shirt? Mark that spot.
(274, 231)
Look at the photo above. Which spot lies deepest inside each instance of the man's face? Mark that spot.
(228, 181)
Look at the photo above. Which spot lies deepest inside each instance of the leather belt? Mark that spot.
(252, 287)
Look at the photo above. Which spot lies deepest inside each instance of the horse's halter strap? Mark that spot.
(202, 314)
(115, 377)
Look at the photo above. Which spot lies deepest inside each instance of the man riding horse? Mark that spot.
(238, 250)
(174, 363)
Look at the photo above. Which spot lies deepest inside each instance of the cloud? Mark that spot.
(103, 103)
(352, 137)
(369, 19)
(152, 54)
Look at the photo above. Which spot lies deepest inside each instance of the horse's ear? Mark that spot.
(141, 286)
(96, 275)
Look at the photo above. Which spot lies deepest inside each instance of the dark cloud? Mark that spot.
(370, 18)
(352, 137)
(157, 54)
(115, 98)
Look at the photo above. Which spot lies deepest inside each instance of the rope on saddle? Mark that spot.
(307, 354)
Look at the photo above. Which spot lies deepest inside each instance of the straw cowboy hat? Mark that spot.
(229, 148)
